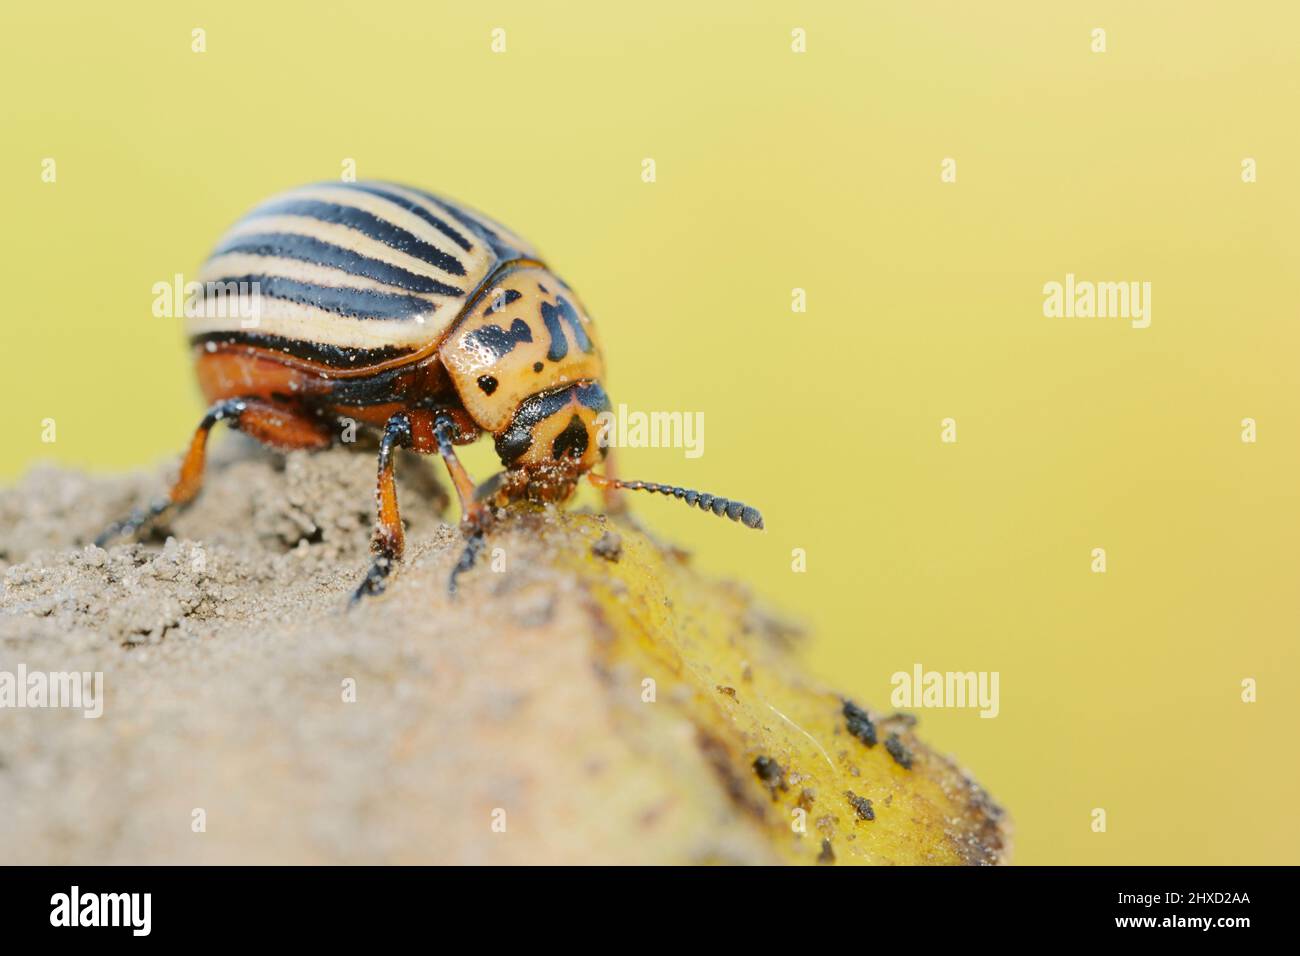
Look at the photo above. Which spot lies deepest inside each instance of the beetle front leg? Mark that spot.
(389, 541)
(474, 514)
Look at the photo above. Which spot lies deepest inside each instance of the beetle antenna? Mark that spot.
(735, 510)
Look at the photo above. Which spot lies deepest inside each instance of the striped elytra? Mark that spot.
(378, 304)
(362, 266)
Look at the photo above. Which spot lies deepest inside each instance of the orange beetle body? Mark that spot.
(391, 307)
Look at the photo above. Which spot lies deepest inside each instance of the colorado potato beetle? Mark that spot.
(388, 306)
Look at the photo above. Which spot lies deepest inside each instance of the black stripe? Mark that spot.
(556, 317)
(498, 341)
(353, 303)
(504, 251)
(332, 355)
(287, 245)
(366, 223)
(414, 207)
(499, 302)
(378, 389)
(592, 396)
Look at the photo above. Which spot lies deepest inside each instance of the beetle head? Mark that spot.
(553, 438)
(556, 437)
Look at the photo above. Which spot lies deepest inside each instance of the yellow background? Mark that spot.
(821, 171)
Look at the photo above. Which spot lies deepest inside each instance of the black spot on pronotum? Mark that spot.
(771, 773)
(556, 318)
(538, 366)
(859, 724)
(898, 750)
(499, 341)
(487, 383)
(572, 442)
(862, 805)
(499, 302)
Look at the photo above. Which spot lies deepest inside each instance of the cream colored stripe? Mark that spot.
(236, 264)
(383, 209)
(310, 324)
(345, 238)
(505, 234)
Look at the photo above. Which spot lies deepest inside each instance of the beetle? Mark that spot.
(413, 315)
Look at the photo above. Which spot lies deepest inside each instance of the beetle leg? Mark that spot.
(474, 513)
(389, 541)
(471, 510)
(280, 427)
(473, 545)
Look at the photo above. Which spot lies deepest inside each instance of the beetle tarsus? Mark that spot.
(374, 583)
(389, 542)
(473, 546)
(131, 525)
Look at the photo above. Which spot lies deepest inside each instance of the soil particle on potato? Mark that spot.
(859, 724)
(771, 773)
(609, 546)
(861, 805)
(898, 750)
(827, 855)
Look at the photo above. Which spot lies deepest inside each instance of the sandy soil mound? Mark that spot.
(585, 698)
